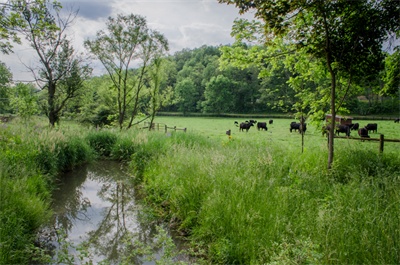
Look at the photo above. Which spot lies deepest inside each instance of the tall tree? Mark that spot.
(345, 35)
(127, 42)
(60, 70)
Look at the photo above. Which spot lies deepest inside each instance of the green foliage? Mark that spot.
(30, 158)
(127, 39)
(102, 142)
(5, 80)
(392, 75)
(23, 100)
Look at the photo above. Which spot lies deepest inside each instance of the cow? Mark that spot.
(354, 127)
(237, 124)
(253, 121)
(245, 126)
(297, 126)
(262, 126)
(342, 129)
(363, 132)
(228, 132)
(271, 121)
(397, 120)
(372, 127)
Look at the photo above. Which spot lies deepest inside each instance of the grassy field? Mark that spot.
(257, 199)
(254, 198)
(279, 133)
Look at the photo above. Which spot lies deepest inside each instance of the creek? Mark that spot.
(98, 218)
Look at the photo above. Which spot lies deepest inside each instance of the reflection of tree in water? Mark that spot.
(119, 219)
(68, 201)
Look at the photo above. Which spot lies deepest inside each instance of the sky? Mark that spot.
(185, 23)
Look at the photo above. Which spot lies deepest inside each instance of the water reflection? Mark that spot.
(96, 205)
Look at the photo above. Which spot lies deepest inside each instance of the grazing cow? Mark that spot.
(262, 126)
(397, 120)
(297, 126)
(342, 129)
(363, 132)
(355, 127)
(253, 121)
(372, 127)
(245, 126)
(271, 121)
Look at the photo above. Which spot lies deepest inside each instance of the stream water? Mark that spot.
(97, 219)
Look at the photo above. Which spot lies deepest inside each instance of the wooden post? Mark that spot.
(166, 128)
(381, 143)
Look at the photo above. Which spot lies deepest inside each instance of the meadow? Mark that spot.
(254, 198)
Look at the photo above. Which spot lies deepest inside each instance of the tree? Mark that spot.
(345, 35)
(5, 80)
(9, 21)
(23, 100)
(156, 77)
(60, 71)
(392, 75)
(219, 95)
(186, 95)
(127, 41)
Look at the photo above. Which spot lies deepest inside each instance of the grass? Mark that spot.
(257, 199)
(254, 198)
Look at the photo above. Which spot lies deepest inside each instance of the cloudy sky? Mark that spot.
(185, 23)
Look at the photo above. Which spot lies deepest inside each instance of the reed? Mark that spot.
(254, 204)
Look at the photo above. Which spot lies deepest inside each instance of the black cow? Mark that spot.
(262, 126)
(297, 126)
(245, 126)
(271, 121)
(372, 127)
(354, 127)
(253, 121)
(342, 129)
(397, 120)
(363, 132)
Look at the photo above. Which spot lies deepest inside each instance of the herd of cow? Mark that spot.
(302, 127)
(247, 124)
(347, 128)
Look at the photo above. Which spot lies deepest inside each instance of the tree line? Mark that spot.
(197, 81)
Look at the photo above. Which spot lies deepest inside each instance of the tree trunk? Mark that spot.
(52, 112)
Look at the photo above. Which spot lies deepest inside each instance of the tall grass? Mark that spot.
(260, 204)
(254, 198)
(30, 159)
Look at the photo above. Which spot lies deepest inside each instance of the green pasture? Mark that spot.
(278, 132)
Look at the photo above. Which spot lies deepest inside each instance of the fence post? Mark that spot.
(166, 128)
(381, 143)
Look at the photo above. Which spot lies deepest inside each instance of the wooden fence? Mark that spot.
(381, 140)
(161, 126)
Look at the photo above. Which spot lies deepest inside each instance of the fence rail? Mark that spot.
(381, 140)
(161, 126)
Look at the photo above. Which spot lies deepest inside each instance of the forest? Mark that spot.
(195, 82)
